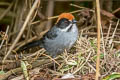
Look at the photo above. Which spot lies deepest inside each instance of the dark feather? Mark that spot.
(31, 45)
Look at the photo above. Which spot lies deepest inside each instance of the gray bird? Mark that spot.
(60, 37)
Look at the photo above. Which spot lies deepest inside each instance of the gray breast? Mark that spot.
(64, 40)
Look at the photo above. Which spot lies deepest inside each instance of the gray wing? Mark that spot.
(51, 34)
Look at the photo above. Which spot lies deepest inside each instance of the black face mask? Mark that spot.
(63, 23)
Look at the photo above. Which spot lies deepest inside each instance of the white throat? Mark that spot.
(74, 27)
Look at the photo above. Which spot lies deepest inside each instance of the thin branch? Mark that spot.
(6, 11)
(111, 40)
(77, 6)
(108, 34)
(98, 39)
(4, 37)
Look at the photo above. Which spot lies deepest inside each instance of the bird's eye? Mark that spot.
(66, 21)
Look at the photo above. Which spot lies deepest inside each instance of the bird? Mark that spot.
(60, 37)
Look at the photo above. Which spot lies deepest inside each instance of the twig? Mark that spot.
(103, 43)
(51, 59)
(108, 34)
(36, 53)
(118, 42)
(94, 33)
(81, 7)
(98, 39)
(87, 28)
(55, 72)
(91, 66)
(83, 63)
(4, 37)
(4, 76)
(23, 28)
(77, 6)
(6, 11)
(111, 40)
(7, 61)
(4, 3)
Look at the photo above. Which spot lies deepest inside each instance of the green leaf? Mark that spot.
(101, 56)
(71, 62)
(2, 72)
(24, 68)
(66, 68)
(112, 76)
(93, 45)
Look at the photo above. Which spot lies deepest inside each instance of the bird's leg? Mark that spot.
(54, 66)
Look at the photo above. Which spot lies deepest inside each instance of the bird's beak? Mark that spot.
(74, 21)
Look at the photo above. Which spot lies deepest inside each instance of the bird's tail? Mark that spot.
(30, 45)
